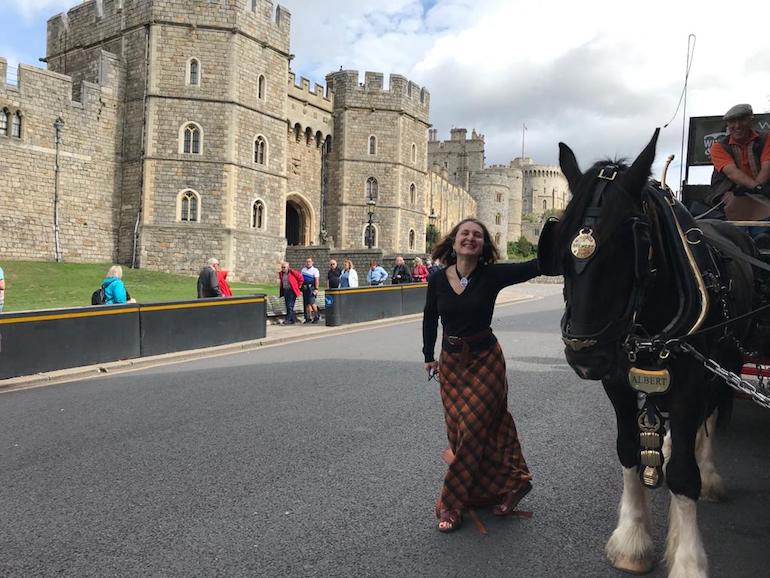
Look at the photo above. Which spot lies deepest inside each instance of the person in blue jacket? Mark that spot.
(114, 289)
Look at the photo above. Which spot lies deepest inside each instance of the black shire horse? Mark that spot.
(639, 272)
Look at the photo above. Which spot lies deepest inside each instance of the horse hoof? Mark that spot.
(631, 566)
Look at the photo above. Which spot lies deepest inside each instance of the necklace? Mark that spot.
(464, 279)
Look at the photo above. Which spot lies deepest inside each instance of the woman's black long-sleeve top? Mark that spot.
(470, 312)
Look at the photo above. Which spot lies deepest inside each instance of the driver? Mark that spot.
(742, 166)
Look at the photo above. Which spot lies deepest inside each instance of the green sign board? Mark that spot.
(704, 130)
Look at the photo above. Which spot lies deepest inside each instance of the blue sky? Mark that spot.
(601, 85)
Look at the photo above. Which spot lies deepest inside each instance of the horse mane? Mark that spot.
(617, 206)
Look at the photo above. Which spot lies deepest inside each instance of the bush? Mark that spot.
(521, 249)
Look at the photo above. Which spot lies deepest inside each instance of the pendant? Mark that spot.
(583, 245)
(464, 282)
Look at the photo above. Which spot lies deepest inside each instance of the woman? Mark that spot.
(349, 277)
(419, 271)
(488, 466)
(224, 286)
(114, 289)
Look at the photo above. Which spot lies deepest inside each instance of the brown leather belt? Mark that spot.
(465, 344)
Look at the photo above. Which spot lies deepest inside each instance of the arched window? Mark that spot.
(498, 219)
(16, 125)
(319, 139)
(4, 116)
(194, 72)
(254, 5)
(260, 150)
(412, 194)
(412, 238)
(297, 132)
(258, 214)
(371, 189)
(414, 153)
(372, 145)
(188, 206)
(308, 136)
(191, 139)
(497, 238)
(545, 204)
(499, 197)
(261, 87)
(370, 236)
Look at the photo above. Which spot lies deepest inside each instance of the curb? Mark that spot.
(124, 366)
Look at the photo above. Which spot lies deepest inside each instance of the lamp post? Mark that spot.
(370, 205)
(58, 125)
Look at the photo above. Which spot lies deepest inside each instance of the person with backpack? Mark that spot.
(741, 162)
(114, 289)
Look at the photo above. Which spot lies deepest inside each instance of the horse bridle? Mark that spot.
(618, 330)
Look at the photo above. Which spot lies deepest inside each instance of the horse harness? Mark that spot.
(695, 265)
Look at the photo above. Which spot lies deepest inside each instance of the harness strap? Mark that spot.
(729, 249)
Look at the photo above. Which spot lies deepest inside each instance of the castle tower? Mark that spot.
(204, 149)
(379, 154)
(460, 156)
(491, 188)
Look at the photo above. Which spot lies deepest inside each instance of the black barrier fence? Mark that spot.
(348, 305)
(39, 341)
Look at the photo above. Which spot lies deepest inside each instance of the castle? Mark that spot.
(167, 131)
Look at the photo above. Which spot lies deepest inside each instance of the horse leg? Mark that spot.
(685, 555)
(630, 546)
(712, 487)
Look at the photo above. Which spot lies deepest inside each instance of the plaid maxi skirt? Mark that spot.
(488, 462)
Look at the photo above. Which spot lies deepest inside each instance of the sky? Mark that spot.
(599, 75)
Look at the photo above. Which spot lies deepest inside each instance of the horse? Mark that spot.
(642, 277)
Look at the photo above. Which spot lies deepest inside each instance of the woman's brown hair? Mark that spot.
(444, 251)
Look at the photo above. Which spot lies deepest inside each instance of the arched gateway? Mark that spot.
(299, 220)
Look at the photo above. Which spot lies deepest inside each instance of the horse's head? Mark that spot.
(603, 243)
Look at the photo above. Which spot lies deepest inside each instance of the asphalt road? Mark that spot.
(322, 458)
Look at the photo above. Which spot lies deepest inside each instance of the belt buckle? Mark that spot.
(454, 340)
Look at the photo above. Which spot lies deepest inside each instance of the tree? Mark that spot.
(431, 237)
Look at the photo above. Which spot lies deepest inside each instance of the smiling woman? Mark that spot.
(488, 467)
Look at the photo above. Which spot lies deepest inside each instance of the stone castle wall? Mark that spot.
(89, 176)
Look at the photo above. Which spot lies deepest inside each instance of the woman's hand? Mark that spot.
(432, 368)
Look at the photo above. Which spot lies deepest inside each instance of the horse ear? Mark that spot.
(569, 166)
(639, 172)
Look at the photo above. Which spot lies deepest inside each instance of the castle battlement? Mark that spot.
(318, 96)
(33, 82)
(401, 94)
(95, 21)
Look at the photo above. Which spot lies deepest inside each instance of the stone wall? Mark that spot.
(89, 174)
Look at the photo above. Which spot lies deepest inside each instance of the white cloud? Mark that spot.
(33, 9)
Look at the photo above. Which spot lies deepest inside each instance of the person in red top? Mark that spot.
(419, 271)
(289, 283)
(742, 165)
(224, 287)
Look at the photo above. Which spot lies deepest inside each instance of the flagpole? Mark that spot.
(523, 130)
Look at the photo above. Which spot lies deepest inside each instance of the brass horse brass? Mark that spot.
(649, 380)
(584, 245)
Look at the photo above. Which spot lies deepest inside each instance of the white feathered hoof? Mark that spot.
(713, 488)
(631, 550)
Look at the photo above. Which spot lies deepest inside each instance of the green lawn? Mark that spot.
(48, 285)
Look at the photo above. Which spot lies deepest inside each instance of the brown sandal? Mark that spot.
(508, 505)
(451, 520)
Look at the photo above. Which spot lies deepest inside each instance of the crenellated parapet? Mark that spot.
(309, 108)
(402, 95)
(104, 21)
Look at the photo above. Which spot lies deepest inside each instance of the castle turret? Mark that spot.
(379, 155)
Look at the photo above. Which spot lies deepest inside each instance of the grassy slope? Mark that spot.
(47, 285)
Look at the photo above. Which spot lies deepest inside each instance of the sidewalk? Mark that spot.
(275, 335)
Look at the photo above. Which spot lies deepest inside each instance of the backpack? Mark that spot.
(98, 297)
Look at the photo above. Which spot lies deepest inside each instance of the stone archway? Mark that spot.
(299, 217)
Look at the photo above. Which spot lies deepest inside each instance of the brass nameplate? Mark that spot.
(649, 380)
(584, 245)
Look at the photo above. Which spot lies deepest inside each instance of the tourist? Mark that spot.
(2, 289)
(401, 272)
(289, 283)
(333, 275)
(488, 467)
(224, 286)
(376, 275)
(114, 289)
(419, 271)
(349, 277)
(208, 283)
(310, 282)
